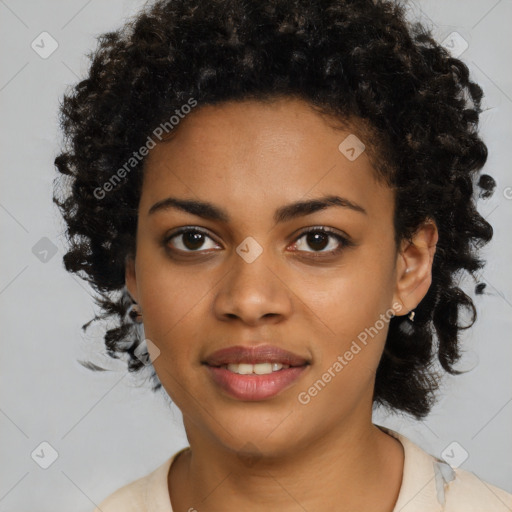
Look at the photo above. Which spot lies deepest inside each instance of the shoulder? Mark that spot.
(470, 493)
(429, 484)
(128, 498)
(145, 494)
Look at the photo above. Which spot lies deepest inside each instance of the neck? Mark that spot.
(357, 468)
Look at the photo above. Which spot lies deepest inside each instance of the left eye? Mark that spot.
(318, 239)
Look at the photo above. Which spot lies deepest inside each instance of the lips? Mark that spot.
(254, 355)
(255, 387)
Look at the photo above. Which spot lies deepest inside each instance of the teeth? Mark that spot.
(258, 369)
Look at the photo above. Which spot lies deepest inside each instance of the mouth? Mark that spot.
(262, 354)
(262, 368)
(255, 373)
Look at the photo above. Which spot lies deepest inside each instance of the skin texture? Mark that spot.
(251, 158)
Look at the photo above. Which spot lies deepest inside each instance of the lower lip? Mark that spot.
(255, 387)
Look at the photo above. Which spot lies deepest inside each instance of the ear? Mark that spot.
(414, 268)
(131, 277)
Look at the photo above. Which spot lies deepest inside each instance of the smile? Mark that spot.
(248, 385)
(258, 369)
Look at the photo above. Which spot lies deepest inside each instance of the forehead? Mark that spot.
(248, 154)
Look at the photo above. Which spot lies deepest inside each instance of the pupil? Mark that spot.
(193, 239)
(313, 238)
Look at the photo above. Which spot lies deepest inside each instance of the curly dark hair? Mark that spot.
(353, 59)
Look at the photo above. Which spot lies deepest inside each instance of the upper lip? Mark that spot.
(254, 355)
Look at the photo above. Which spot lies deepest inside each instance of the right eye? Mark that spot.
(188, 239)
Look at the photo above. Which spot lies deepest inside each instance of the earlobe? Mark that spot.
(130, 277)
(414, 268)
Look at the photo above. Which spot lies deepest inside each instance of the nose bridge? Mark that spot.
(252, 288)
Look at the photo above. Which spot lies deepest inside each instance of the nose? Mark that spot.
(253, 293)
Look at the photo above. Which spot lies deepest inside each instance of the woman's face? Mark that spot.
(251, 278)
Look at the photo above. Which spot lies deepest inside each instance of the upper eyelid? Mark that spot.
(184, 229)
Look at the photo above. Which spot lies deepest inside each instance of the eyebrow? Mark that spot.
(285, 213)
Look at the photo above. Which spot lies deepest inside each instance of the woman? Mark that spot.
(275, 200)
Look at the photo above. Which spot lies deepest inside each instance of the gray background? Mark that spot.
(106, 429)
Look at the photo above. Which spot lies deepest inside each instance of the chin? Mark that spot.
(257, 436)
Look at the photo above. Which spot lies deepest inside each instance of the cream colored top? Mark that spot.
(428, 485)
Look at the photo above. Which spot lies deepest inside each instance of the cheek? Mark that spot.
(167, 299)
(176, 308)
(355, 308)
(353, 297)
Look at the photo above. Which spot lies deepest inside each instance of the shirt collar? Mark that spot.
(156, 497)
(424, 478)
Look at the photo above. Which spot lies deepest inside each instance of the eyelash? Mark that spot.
(344, 241)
